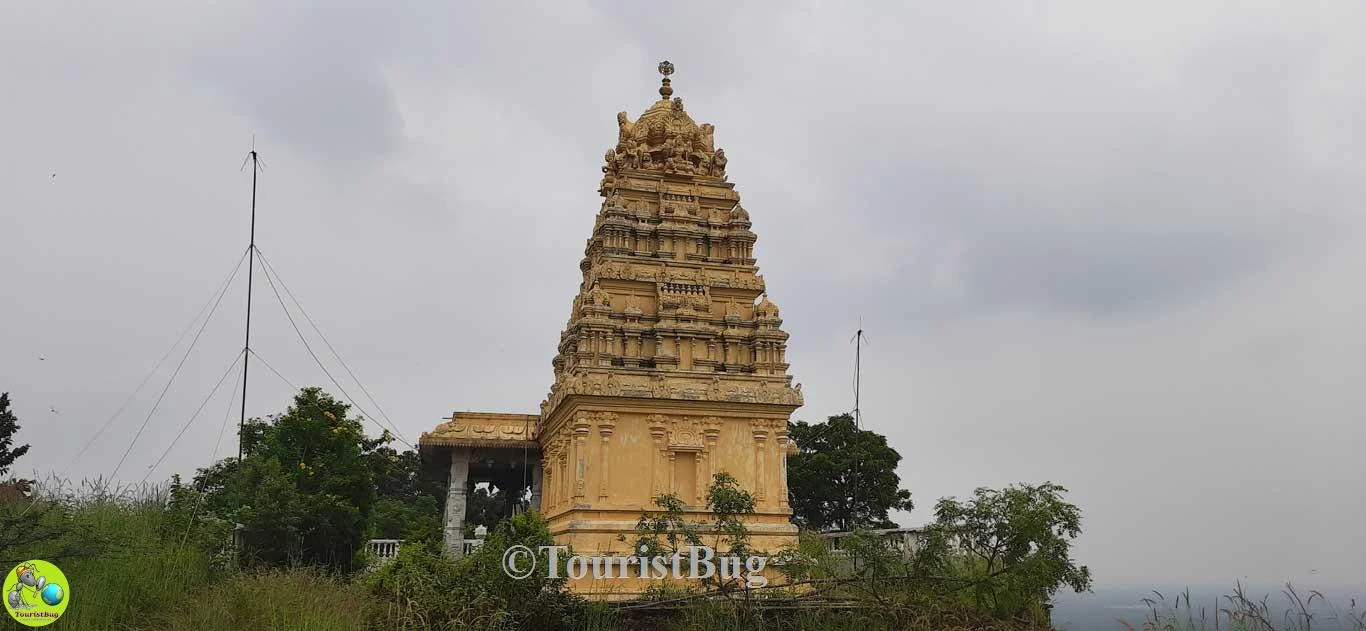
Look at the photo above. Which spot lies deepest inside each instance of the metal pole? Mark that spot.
(251, 260)
(858, 414)
(858, 349)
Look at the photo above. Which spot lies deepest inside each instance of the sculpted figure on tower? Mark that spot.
(665, 138)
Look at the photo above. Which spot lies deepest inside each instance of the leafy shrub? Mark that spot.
(423, 589)
(305, 488)
(1006, 550)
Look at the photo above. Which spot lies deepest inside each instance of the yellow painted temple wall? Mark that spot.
(636, 460)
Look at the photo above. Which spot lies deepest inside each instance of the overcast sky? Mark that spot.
(1114, 247)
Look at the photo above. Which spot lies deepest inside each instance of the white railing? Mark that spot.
(906, 541)
(383, 550)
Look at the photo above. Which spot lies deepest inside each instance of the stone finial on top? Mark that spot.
(666, 68)
(665, 139)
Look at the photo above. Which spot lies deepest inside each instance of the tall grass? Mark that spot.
(105, 539)
(1240, 611)
(132, 568)
(299, 600)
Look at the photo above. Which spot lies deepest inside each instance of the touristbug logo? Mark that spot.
(36, 593)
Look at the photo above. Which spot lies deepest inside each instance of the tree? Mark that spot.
(730, 504)
(670, 531)
(306, 487)
(9, 426)
(843, 478)
(1010, 549)
(407, 504)
(667, 531)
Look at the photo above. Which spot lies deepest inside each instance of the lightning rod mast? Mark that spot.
(251, 265)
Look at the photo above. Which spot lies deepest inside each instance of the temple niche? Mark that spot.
(672, 364)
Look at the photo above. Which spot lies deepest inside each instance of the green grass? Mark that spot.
(132, 567)
(299, 600)
(109, 549)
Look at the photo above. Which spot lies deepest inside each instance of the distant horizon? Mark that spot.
(1164, 585)
(1106, 604)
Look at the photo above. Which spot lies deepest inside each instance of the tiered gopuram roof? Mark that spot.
(671, 305)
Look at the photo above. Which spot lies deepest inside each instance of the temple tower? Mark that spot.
(672, 366)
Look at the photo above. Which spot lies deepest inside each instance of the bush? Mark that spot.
(1007, 550)
(305, 488)
(424, 589)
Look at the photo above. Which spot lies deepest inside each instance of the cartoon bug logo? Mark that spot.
(36, 593)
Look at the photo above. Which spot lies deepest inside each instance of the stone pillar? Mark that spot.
(760, 454)
(700, 475)
(711, 434)
(536, 474)
(659, 435)
(606, 423)
(784, 443)
(566, 487)
(454, 525)
(673, 456)
(581, 427)
(550, 497)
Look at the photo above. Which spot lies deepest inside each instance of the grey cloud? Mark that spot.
(1112, 246)
(1175, 166)
(313, 77)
